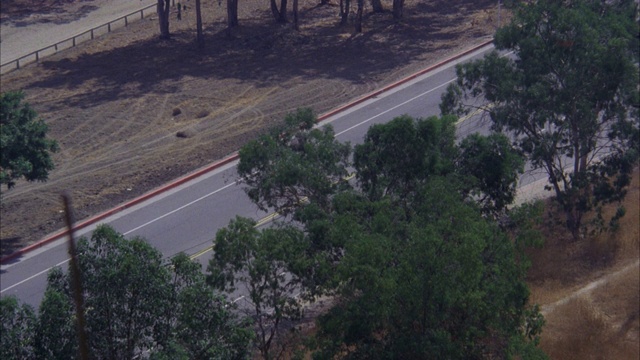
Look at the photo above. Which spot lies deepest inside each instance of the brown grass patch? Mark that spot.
(599, 279)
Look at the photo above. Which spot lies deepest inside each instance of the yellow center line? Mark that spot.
(264, 220)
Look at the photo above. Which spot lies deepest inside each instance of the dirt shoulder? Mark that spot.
(115, 104)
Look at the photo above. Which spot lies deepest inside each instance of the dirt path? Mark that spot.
(588, 288)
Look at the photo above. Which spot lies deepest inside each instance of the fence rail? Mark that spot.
(70, 42)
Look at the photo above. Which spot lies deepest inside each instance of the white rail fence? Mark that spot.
(70, 42)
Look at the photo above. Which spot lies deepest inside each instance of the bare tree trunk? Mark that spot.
(295, 15)
(377, 7)
(199, 35)
(345, 6)
(163, 18)
(232, 15)
(283, 12)
(359, 16)
(279, 15)
(398, 9)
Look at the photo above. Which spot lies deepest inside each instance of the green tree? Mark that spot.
(136, 307)
(569, 99)
(396, 157)
(200, 320)
(17, 324)
(268, 265)
(55, 328)
(443, 284)
(490, 168)
(293, 164)
(24, 147)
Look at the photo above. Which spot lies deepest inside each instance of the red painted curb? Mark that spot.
(228, 159)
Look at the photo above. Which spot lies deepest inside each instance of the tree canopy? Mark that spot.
(416, 267)
(136, 306)
(568, 98)
(24, 146)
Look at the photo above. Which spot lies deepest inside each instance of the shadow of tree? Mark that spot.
(25, 13)
(258, 51)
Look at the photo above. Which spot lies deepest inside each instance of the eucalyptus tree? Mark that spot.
(25, 150)
(568, 98)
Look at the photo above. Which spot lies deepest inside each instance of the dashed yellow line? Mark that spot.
(264, 220)
(476, 112)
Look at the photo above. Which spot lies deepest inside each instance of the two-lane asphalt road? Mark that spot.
(186, 218)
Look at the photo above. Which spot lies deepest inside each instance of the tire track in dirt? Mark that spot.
(586, 289)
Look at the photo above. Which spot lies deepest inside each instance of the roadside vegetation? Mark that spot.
(411, 236)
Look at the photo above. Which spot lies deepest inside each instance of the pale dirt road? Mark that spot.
(24, 35)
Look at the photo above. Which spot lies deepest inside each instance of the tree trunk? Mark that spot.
(377, 7)
(163, 18)
(398, 9)
(279, 15)
(295, 15)
(199, 35)
(232, 15)
(345, 6)
(283, 11)
(359, 16)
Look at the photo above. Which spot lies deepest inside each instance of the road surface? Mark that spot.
(186, 218)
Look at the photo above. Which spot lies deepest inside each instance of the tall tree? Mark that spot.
(397, 156)
(490, 169)
(569, 100)
(17, 325)
(56, 336)
(163, 9)
(293, 164)
(441, 284)
(137, 307)
(268, 265)
(24, 146)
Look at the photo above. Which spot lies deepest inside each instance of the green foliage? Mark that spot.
(269, 264)
(442, 284)
(135, 306)
(566, 97)
(491, 168)
(293, 164)
(417, 268)
(396, 157)
(16, 329)
(56, 328)
(24, 147)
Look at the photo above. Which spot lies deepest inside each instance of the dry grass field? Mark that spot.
(590, 290)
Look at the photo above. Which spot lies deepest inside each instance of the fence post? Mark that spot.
(91, 34)
(108, 27)
(74, 41)
(126, 23)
